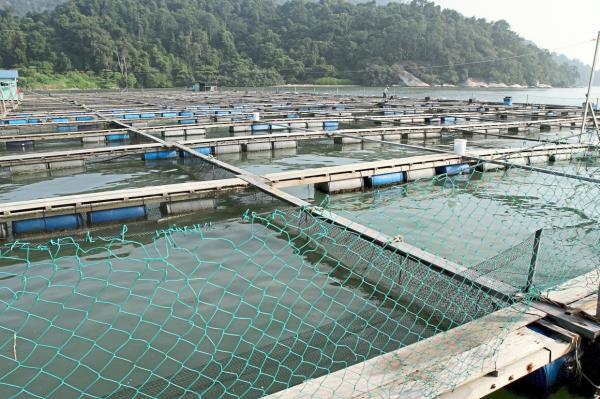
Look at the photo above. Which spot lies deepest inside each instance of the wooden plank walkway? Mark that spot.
(7, 132)
(456, 364)
(114, 199)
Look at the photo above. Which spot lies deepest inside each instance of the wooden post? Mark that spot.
(533, 263)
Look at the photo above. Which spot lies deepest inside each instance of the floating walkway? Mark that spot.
(353, 177)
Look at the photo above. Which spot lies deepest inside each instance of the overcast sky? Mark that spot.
(553, 24)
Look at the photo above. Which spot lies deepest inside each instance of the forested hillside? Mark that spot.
(582, 69)
(258, 42)
(22, 7)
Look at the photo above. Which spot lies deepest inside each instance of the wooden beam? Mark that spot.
(444, 362)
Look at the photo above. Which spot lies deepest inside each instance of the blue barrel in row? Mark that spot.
(154, 155)
(60, 120)
(201, 150)
(117, 137)
(186, 113)
(386, 179)
(131, 116)
(260, 127)
(448, 119)
(16, 122)
(550, 375)
(331, 125)
(279, 126)
(187, 121)
(117, 215)
(66, 128)
(47, 224)
(508, 101)
(169, 114)
(84, 118)
(147, 115)
(452, 170)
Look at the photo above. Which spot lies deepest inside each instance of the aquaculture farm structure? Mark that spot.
(167, 244)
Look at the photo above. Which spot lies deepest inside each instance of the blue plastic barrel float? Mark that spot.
(47, 224)
(201, 150)
(16, 121)
(547, 377)
(187, 121)
(117, 214)
(279, 126)
(147, 115)
(117, 137)
(508, 102)
(66, 128)
(386, 179)
(452, 170)
(60, 120)
(448, 119)
(186, 113)
(154, 155)
(260, 127)
(169, 114)
(33, 120)
(331, 125)
(131, 116)
(84, 118)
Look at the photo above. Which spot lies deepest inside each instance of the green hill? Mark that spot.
(259, 42)
(22, 7)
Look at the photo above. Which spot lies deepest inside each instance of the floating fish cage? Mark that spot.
(192, 249)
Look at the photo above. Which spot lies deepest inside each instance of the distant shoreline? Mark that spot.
(305, 85)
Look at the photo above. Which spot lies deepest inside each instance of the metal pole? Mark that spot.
(598, 303)
(587, 96)
(533, 263)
